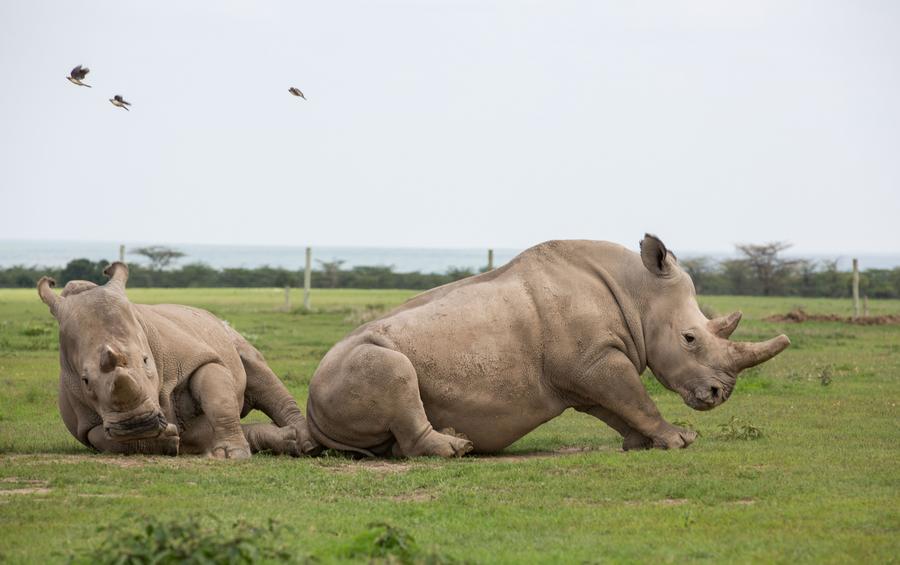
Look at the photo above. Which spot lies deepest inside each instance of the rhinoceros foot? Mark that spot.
(673, 437)
(229, 451)
(445, 443)
(459, 442)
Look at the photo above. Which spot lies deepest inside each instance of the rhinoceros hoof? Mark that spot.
(675, 438)
(230, 452)
(460, 444)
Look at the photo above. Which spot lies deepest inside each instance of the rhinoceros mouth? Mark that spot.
(144, 426)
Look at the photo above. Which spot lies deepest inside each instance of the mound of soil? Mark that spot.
(799, 315)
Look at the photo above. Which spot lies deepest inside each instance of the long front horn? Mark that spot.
(746, 354)
(725, 326)
(117, 273)
(45, 291)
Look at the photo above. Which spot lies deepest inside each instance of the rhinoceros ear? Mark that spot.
(117, 273)
(45, 291)
(655, 255)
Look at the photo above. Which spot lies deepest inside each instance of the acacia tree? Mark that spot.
(331, 270)
(770, 270)
(160, 257)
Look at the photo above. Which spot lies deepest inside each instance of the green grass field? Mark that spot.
(822, 484)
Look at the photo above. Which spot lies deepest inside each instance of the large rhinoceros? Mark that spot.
(163, 379)
(485, 360)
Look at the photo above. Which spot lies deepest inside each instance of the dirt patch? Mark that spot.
(662, 502)
(120, 461)
(381, 466)
(28, 490)
(744, 502)
(417, 496)
(24, 486)
(514, 457)
(799, 316)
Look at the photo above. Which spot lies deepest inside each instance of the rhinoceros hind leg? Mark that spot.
(374, 394)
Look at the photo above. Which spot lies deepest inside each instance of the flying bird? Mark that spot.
(78, 74)
(117, 100)
(296, 92)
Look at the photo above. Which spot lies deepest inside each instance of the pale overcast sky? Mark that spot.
(454, 124)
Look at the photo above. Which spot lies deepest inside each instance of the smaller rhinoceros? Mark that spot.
(164, 379)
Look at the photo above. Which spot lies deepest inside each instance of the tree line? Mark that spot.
(758, 270)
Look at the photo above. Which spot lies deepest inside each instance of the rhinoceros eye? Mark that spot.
(689, 337)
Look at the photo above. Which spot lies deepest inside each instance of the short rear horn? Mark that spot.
(723, 327)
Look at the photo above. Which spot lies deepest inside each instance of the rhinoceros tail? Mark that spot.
(320, 437)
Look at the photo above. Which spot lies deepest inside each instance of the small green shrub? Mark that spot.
(143, 540)
(383, 543)
(738, 429)
(825, 375)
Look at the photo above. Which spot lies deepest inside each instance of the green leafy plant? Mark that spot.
(144, 540)
(736, 429)
(384, 543)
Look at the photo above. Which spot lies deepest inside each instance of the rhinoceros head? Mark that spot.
(105, 356)
(687, 352)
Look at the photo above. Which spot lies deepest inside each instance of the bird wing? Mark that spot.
(75, 72)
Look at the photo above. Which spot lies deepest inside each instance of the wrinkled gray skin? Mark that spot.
(163, 379)
(485, 360)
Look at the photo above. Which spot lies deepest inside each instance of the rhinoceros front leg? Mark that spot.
(212, 387)
(617, 393)
(631, 438)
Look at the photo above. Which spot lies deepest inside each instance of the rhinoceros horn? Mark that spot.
(109, 359)
(117, 273)
(125, 392)
(747, 354)
(723, 327)
(45, 290)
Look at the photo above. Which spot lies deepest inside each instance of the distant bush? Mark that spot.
(760, 272)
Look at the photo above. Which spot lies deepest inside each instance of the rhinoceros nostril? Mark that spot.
(714, 391)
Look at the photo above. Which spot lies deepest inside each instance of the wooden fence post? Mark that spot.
(122, 253)
(490, 260)
(307, 278)
(855, 288)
